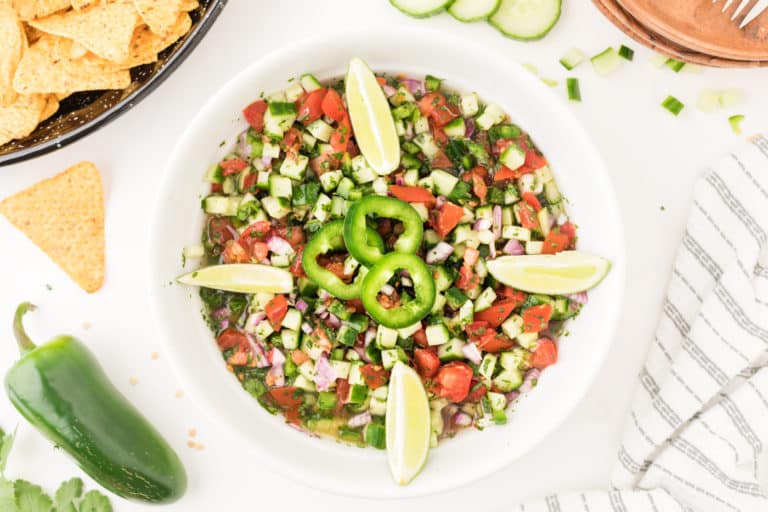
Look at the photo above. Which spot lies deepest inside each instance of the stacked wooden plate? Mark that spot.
(692, 30)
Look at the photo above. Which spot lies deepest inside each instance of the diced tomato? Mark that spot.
(477, 329)
(441, 160)
(518, 296)
(220, 230)
(498, 312)
(533, 160)
(310, 106)
(470, 256)
(337, 268)
(435, 106)
(500, 145)
(413, 194)
(239, 358)
(286, 397)
(555, 241)
(476, 177)
(324, 163)
(441, 139)
(381, 80)
(374, 375)
(429, 102)
(249, 181)
(276, 310)
(505, 173)
(496, 343)
(296, 268)
(479, 390)
(468, 279)
(232, 166)
(420, 338)
(216, 188)
(299, 357)
(342, 393)
(293, 234)
(453, 381)
(341, 136)
(231, 338)
(447, 218)
(254, 114)
(532, 200)
(355, 305)
(568, 229)
(536, 318)
(235, 253)
(544, 355)
(255, 233)
(427, 362)
(527, 216)
(333, 106)
(259, 251)
(290, 140)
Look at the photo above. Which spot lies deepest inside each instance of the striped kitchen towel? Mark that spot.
(697, 435)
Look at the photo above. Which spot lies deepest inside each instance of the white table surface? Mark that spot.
(653, 159)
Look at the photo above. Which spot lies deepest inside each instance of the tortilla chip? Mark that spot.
(20, 118)
(104, 29)
(82, 4)
(189, 5)
(160, 15)
(146, 44)
(48, 67)
(64, 216)
(31, 9)
(50, 108)
(14, 43)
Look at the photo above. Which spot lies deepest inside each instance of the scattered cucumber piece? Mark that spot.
(606, 62)
(420, 8)
(574, 90)
(473, 10)
(526, 20)
(672, 104)
(572, 58)
(735, 122)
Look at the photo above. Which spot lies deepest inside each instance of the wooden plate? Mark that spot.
(701, 26)
(642, 34)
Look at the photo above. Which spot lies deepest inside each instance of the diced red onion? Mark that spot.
(232, 231)
(361, 352)
(387, 289)
(279, 245)
(388, 90)
(253, 320)
(496, 222)
(306, 328)
(259, 355)
(278, 374)
(359, 420)
(469, 123)
(514, 248)
(482, 225)
(462, 419)
(399, 181)
(277, 357)
(324, 315)
(440, 201)
(528, 381)
(562, 219)
(243, 148)
(266, 160)
(224, 324)
(415, 86)
(324, 374)
(439, 253)
(370, 335)
(220, 313)
(579, 298)
(551, 222)
(406, 281)
(492, 250)
(333, 321)
(472, 353)
(512, 396)
(319, 310)
(323, 295)
(301, 305)
(448, 412)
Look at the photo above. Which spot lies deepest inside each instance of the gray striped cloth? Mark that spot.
(697, 435)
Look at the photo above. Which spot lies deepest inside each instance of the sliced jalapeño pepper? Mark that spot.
(329, 239)
(409, 312)
(361, 247)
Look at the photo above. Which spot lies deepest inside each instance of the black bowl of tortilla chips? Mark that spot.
(61, 81)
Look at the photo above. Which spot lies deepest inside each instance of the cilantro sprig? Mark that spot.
(23, 496)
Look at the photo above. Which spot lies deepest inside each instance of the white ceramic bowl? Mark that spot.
(322, 463)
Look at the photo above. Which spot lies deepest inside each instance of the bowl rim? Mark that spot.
(286, 468)
(174, 61)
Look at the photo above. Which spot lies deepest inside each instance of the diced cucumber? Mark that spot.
(513, 326)
(214, 174)
(516, 232)
(420, 8)
(455, 128)
(386, 337)
(511, 195)
(497, 400)
(322, 208)
(262, 180)
(302, 382)
(402, 95)
(508, 380)
(526, 20)
(527, 340)
(462, 233)
(484, 212)
(544, 218)
(572, 58)
(290, 338)
(411, 177)
(551, 192)
(467, 311)
(421, 125)
(543, 175)
(443, 181)
(493, 114)
(469, 104)
(309, 82)
(280, 186)
(339, 207)
(484, 301)
(320, 130)
(280, 260)
(358, 393)
(350, 265)
(455, 298)
(361, 171)
(451, 351)
(407, 332)
(380, 186)
(437, 334)
(437, 307)
(340, 368)
(228, 186)
(330, 180)
(345, 187)
(346, 335)
(513, 157)
(294, 169)
(534, 247)
(421, 209)
(263, 329)
(375, 435)
(355, 377)
(221, 205)
(606, 62)
(378, 408)
(426, 143)
(279, 117)
(292, 319)
(514, 359)
(294, 92)
(390, 356)
(443, 278)
(488, 366)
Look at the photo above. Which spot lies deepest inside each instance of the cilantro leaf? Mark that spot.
(67, 493)
(31, 498)
(94, 501)
(6, 442)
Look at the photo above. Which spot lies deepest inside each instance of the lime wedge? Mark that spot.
(559, 274)
(408, 424)
(242, 278)
(372, 120)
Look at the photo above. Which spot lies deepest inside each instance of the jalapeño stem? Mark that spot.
(26, 345)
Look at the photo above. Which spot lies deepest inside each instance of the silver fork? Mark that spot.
(756, 10)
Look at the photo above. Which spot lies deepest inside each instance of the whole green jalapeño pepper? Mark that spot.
(62, 390)
(411, 311)
(330, 239)
(360, 246)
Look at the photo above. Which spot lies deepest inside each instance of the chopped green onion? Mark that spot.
(432, 83)
(572, 58)
(672, 104)
(735, 122)
(574, 90)
(675, 65)
(626, 52)
(730, 97)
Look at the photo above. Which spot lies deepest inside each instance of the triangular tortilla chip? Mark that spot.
(20, 118)
(189, 5)
(160, 15)
(146, 44)
(64, 216)
(50, 108)
(14, 42)
(31, 9)
(105, 29)
(48, 67)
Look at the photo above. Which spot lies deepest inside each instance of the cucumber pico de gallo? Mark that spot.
(385, 268)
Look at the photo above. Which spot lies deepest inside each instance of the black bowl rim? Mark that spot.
(129, 101)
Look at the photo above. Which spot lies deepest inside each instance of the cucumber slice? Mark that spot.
(526, 20)
(420, 8)
(473, 10)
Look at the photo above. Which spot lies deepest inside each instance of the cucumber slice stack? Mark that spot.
(473, 10)
(421, 8)
(526, 20)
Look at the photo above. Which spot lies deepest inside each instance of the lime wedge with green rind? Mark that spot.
(552, 274)
(241, 278)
